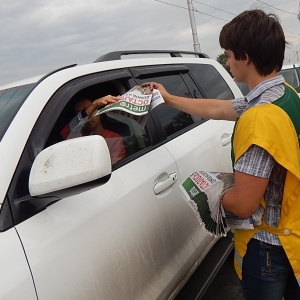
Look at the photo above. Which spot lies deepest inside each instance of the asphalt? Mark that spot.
(226, 285)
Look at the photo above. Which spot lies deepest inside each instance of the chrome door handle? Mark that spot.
(160, 186)
(226, 138)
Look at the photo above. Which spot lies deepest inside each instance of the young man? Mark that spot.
(266, 155)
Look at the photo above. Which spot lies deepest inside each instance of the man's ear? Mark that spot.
(248, 59)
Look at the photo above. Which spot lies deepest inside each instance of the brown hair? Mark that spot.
(260, 36)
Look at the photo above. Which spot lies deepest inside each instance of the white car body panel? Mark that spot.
(73, 230)
(16, 280)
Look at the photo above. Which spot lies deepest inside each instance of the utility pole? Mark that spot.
(193, 25)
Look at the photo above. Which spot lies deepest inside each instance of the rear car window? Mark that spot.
(211, 82)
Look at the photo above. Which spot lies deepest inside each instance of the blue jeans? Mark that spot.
(267, 273)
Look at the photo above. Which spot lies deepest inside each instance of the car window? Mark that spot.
(122, 133)
(243, 87)
(172, 120)
(211, 82)
(291, 77)
(10, 102)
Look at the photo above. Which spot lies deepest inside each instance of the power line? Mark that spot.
(200, 12)
(170, 4)
(195, 10)
(215, 8)
(288, 12)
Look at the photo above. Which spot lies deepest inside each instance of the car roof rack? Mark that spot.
(117, 55)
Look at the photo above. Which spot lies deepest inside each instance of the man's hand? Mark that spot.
(160, 87)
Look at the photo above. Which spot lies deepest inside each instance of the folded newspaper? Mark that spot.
(138, 101)
(203, 191)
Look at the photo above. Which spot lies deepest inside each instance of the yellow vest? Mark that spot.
(269, 127)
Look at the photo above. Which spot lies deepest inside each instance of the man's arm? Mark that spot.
(206, 108)
(245, 196)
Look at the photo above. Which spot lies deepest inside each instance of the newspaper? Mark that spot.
(202, 190)
(138, 102)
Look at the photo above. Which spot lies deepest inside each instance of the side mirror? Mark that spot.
(69, 163)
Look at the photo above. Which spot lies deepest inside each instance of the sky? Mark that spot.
(39, 36)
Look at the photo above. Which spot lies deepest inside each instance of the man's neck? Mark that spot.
(257, 79)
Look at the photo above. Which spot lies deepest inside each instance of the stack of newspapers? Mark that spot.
(203, 191)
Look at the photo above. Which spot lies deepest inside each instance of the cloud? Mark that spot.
(40, 36)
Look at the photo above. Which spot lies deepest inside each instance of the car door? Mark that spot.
(195, 143)
(204, 147)
(124, 238)
(118, 240)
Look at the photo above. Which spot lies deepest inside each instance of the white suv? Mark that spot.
(120, 231)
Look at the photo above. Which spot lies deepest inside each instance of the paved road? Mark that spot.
(225, 285)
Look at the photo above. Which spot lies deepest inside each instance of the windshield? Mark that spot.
(10, 102)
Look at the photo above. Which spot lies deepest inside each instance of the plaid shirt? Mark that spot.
(258, 162)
